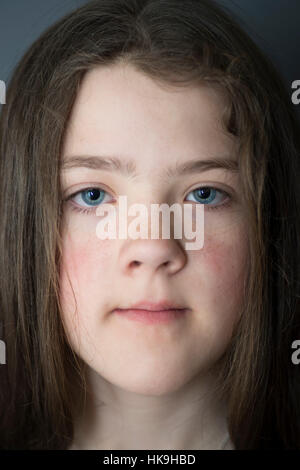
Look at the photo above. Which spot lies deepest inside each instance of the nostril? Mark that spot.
(135, 263)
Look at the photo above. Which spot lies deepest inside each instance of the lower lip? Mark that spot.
(150, 317)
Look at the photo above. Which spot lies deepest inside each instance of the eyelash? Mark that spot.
(81, 210)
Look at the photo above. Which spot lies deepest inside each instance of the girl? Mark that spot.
(135, 343)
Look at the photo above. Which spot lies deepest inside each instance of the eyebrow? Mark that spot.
(128, 167)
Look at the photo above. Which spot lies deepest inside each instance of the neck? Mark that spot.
(113, 418)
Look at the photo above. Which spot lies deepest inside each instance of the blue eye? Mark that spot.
(207, 195)
(93, 197)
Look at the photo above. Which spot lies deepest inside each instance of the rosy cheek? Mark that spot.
(82, 262)
(221, 268)
(227, 256)
(219, 258)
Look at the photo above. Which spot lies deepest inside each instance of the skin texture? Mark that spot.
(150, 386)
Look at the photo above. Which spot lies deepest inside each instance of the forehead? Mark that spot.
(119, 110)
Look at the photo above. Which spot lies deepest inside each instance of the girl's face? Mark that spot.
(123, 114)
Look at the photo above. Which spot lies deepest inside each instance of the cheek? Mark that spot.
(225, 263)
(221, 268)
(80, 283)
(228, 262)
(81, 264)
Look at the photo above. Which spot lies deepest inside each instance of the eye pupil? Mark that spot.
(95, 194)
(203, 192)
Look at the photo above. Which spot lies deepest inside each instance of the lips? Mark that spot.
(154, 306)
(153, 312)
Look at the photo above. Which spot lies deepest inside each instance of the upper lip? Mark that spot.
(154, 306)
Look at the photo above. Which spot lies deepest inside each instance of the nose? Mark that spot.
(148, 255)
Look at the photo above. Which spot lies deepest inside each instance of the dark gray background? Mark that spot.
(273, 24)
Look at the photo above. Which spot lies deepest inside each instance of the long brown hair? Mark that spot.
(179, 44)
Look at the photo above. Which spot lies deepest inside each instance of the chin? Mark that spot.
(154, 383)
